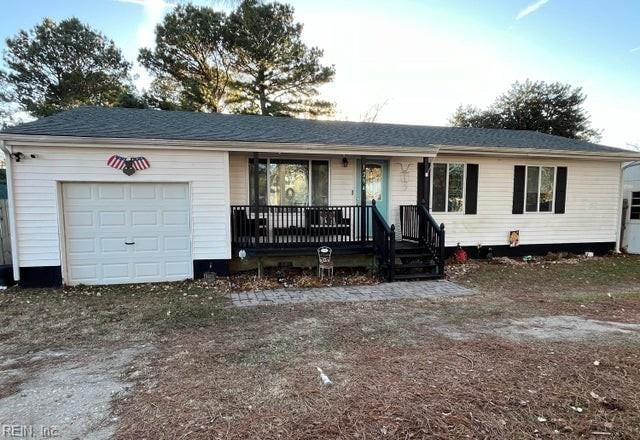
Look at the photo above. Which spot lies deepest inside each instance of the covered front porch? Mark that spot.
(351, 203)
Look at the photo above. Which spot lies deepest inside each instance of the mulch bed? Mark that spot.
(293, 278)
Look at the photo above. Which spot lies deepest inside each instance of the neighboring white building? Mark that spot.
(631, 233)
(78, 218)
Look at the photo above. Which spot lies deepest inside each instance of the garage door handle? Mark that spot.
(129, 242)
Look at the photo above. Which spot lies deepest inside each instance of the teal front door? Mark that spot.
(377, 187)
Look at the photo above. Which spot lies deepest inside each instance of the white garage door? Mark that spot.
(126, 232)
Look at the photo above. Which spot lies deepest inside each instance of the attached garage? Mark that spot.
(126, 232)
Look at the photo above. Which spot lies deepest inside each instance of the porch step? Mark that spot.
(416, 276)
(411, 250)
(408, 255)
(415, 265)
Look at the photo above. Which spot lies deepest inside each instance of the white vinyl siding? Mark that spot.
(593, 188)
(37, 200)
(403, 186)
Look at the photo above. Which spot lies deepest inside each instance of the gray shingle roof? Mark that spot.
(153, 124)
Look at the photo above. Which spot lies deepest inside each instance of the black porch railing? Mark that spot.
(418, 225)
(384, 242)
(283, 227)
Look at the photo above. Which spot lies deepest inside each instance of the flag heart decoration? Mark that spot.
(128, 165)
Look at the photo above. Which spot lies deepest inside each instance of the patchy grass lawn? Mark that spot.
(401, 369)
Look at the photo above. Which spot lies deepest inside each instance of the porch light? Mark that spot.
(345, 162)
(242, 254)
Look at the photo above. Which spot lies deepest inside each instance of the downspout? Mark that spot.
(12, 216)
(620, 204)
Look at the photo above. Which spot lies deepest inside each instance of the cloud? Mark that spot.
(533, 7)
(635, 49)
(154, 11)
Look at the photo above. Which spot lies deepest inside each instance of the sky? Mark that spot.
(420, 59)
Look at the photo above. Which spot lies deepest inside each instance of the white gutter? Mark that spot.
(12, 216)
(535, 152)
(231, 145)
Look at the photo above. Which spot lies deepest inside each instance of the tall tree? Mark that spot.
(552, 108)
(56, 66)
(275, 72)
(193, 49)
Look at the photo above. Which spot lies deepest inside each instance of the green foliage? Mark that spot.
(193, 49)
(163, 94)
(131, 100)
(57, 66)
(275, 73)
(552, 108)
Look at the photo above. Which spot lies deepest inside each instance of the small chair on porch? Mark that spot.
(325, 262)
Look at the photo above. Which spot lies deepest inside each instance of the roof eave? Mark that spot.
(230, 145)
(537, 152)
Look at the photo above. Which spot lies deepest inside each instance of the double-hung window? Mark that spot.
(448, 183)
(539, 190)
(290, 182)
(635, 205)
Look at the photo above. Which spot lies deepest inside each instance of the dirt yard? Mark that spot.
(543, 350)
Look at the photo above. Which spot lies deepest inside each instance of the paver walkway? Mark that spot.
(378, 292)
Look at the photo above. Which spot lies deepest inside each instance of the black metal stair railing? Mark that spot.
(418, 225)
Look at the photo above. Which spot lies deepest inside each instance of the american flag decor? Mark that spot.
(128, 165)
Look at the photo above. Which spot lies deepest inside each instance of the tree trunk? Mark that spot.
(262, 95)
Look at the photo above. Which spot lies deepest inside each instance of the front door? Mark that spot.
(377, 176)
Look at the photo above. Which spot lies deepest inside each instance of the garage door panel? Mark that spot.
(144, 191)
(151, 269)
(177, 269)
(175, 218)
(144, 218)
(111, 191)
(114, 245)
(175, 192)
(176, 243)
(146, 244)
(79, 218)
(112, 218)
(77, 192)
(81, 246)
(84, 273)
(101, 217)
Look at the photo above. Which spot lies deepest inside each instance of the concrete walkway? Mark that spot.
(379, 292)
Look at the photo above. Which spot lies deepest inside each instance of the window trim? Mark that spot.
(310, 183)
(526, 187)
(631, 206)
(463, 211)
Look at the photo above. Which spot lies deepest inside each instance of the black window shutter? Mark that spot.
(471, 196)
(519, 172)
(421, 193)
(561, 190)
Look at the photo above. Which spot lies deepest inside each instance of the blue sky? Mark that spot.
(423, 58)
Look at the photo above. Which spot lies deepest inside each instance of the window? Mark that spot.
(448, 183)
(635, 205)
(540, 184)
(290, 182)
